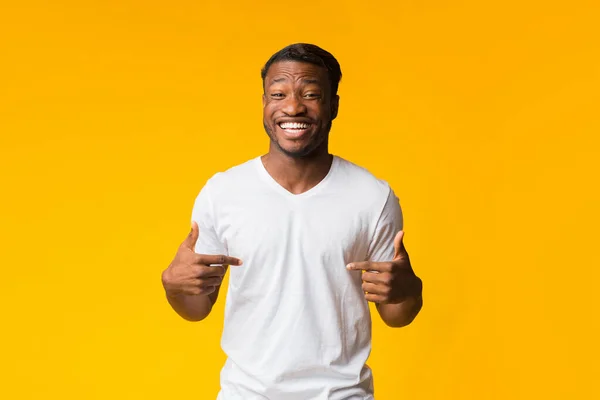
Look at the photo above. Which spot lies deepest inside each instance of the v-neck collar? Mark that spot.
(310, 192)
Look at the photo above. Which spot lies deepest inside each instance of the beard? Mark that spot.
(307, 150)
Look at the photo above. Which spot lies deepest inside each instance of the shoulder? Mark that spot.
(233, 178)
(360, 179)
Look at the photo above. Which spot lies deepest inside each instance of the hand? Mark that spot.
(192, 274)
(389, 282)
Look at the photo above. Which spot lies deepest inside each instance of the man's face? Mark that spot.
(298, 107)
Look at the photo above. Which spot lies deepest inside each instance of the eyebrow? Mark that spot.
(282, 79)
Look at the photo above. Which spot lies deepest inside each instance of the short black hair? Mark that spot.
(308, 53)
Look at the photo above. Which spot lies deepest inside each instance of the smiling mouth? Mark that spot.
(294, 128)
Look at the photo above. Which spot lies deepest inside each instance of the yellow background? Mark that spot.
(483, 116)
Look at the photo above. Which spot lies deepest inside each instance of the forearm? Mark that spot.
(191, 307)
(400, 314)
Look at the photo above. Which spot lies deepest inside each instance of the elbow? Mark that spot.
(397, 324)
(193, 317)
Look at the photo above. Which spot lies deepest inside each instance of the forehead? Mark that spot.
(289, 71)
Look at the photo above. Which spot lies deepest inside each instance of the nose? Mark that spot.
(294, 106)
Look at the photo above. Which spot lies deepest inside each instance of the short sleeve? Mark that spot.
(204, 214)
(390, 222)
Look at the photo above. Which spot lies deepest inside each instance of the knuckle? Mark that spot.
(209, 290)
(387, 279)
(196, 270)
(165, 276)
(196, 282)
(204, 283)
(198, 259)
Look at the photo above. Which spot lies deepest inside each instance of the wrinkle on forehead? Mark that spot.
(294, 71)
(306, 81)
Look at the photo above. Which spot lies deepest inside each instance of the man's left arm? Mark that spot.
(389, 279)
(400, 290)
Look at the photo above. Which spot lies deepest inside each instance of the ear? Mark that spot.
(264, 100)
(335, 104)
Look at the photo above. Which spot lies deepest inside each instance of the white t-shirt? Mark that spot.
(297, 325)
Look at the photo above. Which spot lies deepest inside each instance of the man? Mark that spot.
(299, 226)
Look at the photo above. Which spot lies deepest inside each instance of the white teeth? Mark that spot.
(293, 125)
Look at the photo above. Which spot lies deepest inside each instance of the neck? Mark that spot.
(297, 175)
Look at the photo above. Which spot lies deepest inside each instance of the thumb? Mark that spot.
(398, 245)
(192, 237)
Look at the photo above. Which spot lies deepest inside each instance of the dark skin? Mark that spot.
(298, 110)
(298, 92)
(301, 92)
(393, 286)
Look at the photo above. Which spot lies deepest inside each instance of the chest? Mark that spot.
(266, 230)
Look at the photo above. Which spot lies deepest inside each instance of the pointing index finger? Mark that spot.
(369, 266)
(361, 265)
(219, 260)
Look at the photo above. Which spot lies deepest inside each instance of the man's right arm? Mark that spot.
(192, 280)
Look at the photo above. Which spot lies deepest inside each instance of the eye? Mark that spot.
(312, 95)
(277, 95)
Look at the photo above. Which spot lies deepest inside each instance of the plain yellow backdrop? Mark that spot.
(483, 116)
